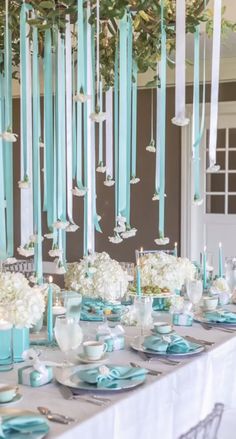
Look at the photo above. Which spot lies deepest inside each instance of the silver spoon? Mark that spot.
(55, 417)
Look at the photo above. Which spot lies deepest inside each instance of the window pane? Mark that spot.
(232, 183)
(220, 159)
(232, 160)
(215, 204)
(221, 138)
(232, 138)
(215, 182)
(232, 204)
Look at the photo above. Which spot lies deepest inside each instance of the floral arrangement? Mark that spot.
(97, 275)
(20, 304)
(161, 272)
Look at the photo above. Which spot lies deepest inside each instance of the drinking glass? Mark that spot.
(230, 272)
(68, 334)
(73, 304)
(6, 346)
(194, 291)
(143, 306)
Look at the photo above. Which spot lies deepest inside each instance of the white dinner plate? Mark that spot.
(83, 359)
(68, 377)
(137, 346)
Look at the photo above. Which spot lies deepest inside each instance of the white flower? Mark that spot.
(198, 201)
(48, 235)
(72, 228)
(26, 251)
(156, 196)
(120, 229)
(151, 146)
(129, 233)
(20, 304)
(79, 192)
(60, 225)
(81, 97)
(134, 180)
(213, 169)
(55, 253)
(10, 261)
(115, 239)
(109, 181)
(41, 144)
(181, 122)
(101, 168)
(24, 184)
(8, 136)
(97, 275)
(98, 116)
(121, 219)
(34, 238)
(162, 241)
(219, 286)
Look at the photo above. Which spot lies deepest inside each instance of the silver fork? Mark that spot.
(168, 361)
(208, 327)
(150, 371)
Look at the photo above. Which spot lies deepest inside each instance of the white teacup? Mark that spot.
(210, 303)
(162, 327)
(94, 350)
(7, 393)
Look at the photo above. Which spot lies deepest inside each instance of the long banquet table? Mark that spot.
(162, 408)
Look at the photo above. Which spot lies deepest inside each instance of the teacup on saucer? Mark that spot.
(162, 327)
(83, 359)
(210, 303)
(7, 393)
(94, 350)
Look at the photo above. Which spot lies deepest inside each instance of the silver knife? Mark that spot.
(198, 340)
(68, 394)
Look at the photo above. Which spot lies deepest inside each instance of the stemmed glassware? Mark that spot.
(194, 291)
(68, 334)
(143, 306)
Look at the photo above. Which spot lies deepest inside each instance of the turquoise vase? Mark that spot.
(20, 343)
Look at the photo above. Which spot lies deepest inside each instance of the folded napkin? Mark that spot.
(19, 427)
(105, 376)
(220, 316)
(171, 343)
(90, 317)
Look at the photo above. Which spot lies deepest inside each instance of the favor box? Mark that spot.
(114, 343)
(28, 376)
(182, 319)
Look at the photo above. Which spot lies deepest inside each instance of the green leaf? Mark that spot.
(47, 4)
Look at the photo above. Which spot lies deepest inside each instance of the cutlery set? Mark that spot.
(68, 394)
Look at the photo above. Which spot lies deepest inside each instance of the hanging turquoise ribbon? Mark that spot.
(74, 132)
(196, 114)
(129, 101)
(116, 130)
(80, 89)
(3, 249)
(8, 153)
(122, 190)
(100, 143)
(48, 125)
(158, 133)
(36, 160)
(134, 118)
(163, 126)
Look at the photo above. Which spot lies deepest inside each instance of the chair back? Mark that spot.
(24, 266)
(208, 427)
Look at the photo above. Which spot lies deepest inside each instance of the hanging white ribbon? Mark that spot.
(27, 194)
(180, 65)
(90, 146)
(69, 121)
(215, 74)
(109, 133)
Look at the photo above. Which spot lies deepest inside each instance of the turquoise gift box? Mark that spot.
(28, 376)
(182, 319)
(114, 343)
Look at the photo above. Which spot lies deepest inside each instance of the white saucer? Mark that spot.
(16, 399)
(83, 359)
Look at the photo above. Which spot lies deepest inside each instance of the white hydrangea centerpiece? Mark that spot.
(97, 276)
(164, 271)
(20, 305)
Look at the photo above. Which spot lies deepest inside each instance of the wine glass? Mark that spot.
(73, 304)
(68, 334)
(194, 291)
(143, 306)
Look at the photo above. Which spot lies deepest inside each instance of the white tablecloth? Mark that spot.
(162, 408)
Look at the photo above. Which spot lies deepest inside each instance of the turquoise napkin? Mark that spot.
(171, 343)
(105, 376)
(90, 317)
(20, 427)
(220, 316)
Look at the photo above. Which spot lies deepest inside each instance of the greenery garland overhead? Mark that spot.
(145, 14)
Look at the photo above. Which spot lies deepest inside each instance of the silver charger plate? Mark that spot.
(137, 346)
(200, 319)
(67, 377)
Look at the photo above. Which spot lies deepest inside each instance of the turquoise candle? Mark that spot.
(49, 311)
(176, 249)
(220, 260)
(204, 269)
(138, 279)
